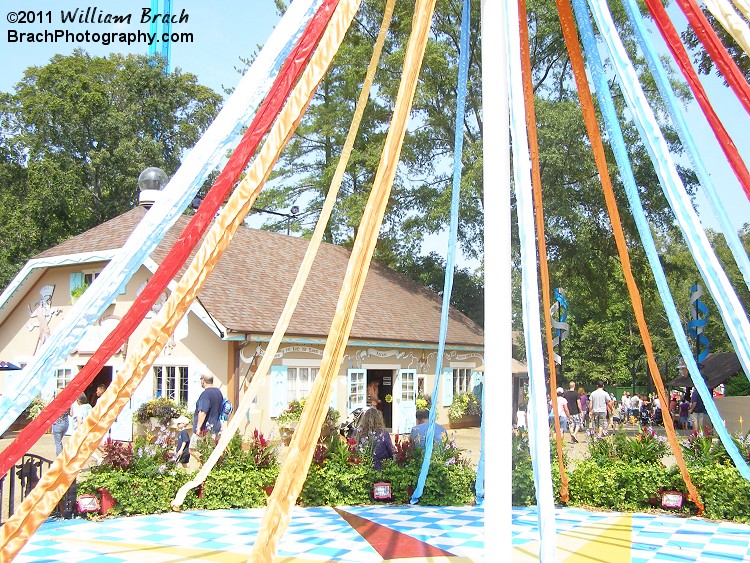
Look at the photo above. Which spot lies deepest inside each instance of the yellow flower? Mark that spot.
(389, 398)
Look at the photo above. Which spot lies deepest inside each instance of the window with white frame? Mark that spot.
(461, 380)
(299, 382)
(171, 382)
(63, 376)
(89, 276)
(357, 385)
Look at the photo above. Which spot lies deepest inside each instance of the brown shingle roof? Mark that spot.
(247, 290)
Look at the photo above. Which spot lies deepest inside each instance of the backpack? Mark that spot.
(226, 410)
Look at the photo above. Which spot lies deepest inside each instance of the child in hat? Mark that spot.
(183, 454)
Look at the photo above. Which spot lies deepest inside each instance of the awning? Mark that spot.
(715, 369)
(7, 366)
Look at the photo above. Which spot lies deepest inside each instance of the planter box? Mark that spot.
(465, 422)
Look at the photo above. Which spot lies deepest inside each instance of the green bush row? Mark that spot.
(143, 478)
(625, 473)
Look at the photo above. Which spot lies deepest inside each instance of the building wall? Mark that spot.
(196, 347)
(193, 344)
(735, 412)
(381, 362)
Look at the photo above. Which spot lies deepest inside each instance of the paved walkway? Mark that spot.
(387, 533)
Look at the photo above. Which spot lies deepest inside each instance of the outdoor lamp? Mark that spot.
(150, 182)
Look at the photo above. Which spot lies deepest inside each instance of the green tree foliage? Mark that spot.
(702, 59)
(682, 273)
(75, 136)
(579, 236)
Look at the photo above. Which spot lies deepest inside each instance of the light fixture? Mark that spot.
(150, 182)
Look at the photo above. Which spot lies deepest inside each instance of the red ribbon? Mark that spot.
(290, 72)
(672, 39)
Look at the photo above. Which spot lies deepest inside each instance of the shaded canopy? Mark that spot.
(716, 369)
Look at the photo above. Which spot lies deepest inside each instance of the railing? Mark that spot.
(19, 481)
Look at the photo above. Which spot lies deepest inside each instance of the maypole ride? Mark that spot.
(508, 107)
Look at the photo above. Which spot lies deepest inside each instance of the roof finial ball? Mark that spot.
(151, 181)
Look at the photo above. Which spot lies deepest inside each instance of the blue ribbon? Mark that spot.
(699, 318)
(450, 264)
(644, 230)
(561, 327)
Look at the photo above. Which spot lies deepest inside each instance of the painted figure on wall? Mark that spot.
(42, 314)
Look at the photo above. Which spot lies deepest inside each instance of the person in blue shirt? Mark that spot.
(208, 408)
(419, 432)
(183, 441)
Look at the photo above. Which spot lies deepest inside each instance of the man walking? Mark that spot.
(208, 408)
(574, 407)
(599, 400)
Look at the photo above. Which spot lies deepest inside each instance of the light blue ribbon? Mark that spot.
(683, 131)
(631, 190)
(539, 442)
(450, 264)
(222, 135)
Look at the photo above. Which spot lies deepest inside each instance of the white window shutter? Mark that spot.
(447, 387)
(194, 384)
(356, 389)
(278, 390)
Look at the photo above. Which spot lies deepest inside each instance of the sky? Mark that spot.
(223, 31)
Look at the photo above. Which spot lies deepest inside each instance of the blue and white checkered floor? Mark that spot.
(379, 533)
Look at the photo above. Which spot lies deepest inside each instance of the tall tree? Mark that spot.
(78, 131)
(579, 239)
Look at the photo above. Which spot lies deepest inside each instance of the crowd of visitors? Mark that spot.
(600, 411)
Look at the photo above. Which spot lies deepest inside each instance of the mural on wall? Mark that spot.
(42, 314)
(355, 360)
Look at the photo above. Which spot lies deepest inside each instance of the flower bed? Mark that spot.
(144, 478)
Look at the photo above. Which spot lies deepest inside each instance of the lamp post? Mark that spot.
(289, 216)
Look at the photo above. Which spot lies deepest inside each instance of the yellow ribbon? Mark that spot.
(304, 270)
(731, 21)
(294, 471)
(38, 505)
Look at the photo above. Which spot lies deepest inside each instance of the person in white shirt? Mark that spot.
(599, 400)
(627, 405)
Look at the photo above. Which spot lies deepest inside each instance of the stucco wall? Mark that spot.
(732, 409)
(367, 358)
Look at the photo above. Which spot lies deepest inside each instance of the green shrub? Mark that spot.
(464, 404)
(645, 447)
(228, 487)
(724, 492)
(337, 484)
(138, 494)
(619, 485)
